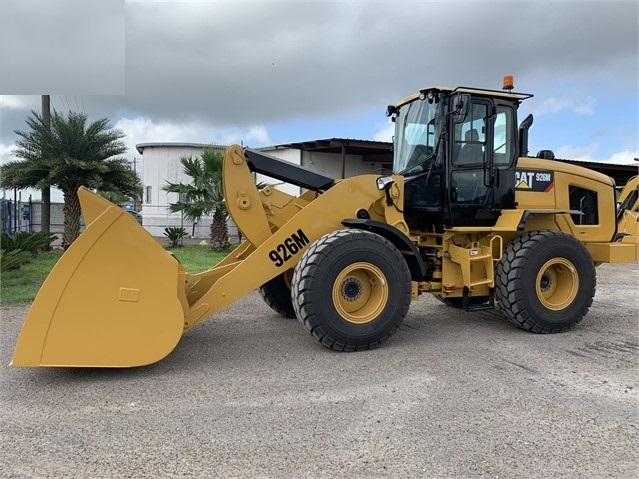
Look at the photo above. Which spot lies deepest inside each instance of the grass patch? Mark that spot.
(198, 258)
(19, 287)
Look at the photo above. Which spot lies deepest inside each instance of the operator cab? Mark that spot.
(457, 150)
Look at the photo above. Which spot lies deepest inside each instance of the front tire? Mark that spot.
(545, 281)
(351, 290)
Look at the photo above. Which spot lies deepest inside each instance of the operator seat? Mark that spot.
(472, 152)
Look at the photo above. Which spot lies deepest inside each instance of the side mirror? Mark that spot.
(460, 105)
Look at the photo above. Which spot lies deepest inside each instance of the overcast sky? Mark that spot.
(270, 72)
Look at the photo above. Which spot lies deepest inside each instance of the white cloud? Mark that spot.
(19, 102)
(254, 136)
(579, 153)
(577, 104)
(385, 133)
(589, 153)
(626, 157)
(5, 153)
(143, 130)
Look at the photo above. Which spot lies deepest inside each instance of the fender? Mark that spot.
(400, 241)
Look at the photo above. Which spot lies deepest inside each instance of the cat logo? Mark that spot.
(534, 180)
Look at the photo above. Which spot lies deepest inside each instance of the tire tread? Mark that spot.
(307, 312)
(510, 272)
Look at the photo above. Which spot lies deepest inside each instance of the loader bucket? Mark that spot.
(112, 300)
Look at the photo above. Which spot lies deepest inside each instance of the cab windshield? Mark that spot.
(418, 125)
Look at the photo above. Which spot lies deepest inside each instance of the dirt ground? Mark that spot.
(251, 394)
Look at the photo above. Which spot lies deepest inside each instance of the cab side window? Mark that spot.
(470, 137)
(504, 134)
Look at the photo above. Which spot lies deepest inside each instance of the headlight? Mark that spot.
(384, 182)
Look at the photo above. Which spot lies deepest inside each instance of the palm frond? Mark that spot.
(70, 153)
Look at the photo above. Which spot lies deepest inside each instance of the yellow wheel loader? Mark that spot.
(465, 215)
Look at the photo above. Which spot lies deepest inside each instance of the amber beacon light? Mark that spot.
(509, 83)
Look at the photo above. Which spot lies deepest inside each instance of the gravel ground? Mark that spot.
(250, 394)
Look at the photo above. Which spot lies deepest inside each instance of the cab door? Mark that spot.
(482, 153)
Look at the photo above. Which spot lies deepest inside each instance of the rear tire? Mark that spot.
(277, 294)
(351, 290)
(545, 281)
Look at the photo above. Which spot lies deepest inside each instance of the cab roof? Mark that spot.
(511, 96)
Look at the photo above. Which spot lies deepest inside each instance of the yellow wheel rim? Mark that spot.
(360, 293)
(557, 284)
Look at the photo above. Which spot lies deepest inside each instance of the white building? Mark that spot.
(336, 157)
(161, 165)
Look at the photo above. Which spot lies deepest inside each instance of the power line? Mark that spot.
(54, 108)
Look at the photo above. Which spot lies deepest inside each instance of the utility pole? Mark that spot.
(45, 212)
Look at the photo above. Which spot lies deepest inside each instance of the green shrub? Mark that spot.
(30, 242)
(174, 234)
(20, 286)
(13, 259)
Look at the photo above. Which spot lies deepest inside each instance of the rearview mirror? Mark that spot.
(460, 104)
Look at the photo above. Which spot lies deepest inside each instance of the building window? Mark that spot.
(148, 194)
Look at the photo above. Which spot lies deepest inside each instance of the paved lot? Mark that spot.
(250, 394)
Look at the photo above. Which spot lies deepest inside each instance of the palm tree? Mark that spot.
(205, 195)
(68, 155)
